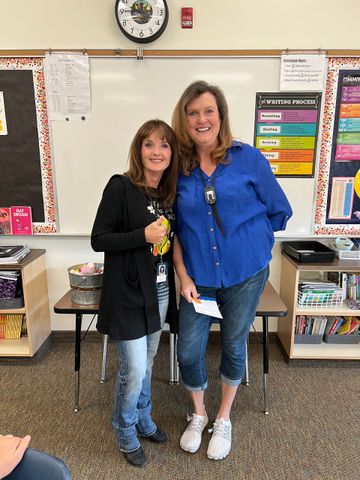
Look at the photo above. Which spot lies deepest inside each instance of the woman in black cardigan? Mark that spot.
(134, 226)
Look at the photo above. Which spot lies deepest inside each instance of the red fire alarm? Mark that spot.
(187, 17)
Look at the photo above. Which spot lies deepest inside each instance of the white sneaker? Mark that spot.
(220, 443)
(191, 438)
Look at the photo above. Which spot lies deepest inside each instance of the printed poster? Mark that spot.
(286, 129)
(337, 209)
(3, 126)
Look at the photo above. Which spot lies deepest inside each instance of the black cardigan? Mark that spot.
(128, 306)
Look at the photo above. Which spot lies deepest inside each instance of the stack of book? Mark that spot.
(13, 253)
(342, 330)
(309, 329)
(11, 292)
(11, 326)
(308, 325)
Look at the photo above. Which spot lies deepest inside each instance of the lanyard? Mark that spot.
(213, 205)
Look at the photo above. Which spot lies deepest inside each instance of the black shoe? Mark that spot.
(159, 436)
(136, 458)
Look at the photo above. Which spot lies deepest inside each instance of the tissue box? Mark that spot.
(353, 254)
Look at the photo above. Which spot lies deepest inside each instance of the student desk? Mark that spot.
(270, 305)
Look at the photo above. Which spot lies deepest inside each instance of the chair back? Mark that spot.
(36, 465)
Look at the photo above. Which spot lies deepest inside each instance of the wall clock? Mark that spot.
(142, 21)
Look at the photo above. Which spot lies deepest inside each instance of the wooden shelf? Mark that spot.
(291, 273)
(36, 306)
(327, 351)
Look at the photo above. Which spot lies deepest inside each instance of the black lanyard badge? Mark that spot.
(210, 199)
(210, 194)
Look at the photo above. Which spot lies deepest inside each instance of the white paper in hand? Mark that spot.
(207, 306)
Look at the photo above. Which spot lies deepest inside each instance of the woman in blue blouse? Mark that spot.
(228, 206)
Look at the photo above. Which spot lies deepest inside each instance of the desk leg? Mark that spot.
(247, 381)
(104, 358)
(77, 359)
(266, 362)
(174, 369)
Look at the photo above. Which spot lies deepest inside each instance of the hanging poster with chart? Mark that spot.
(286, 129)
(338, 189)
(25, 158)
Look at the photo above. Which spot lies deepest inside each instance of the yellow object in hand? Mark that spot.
(163, 247)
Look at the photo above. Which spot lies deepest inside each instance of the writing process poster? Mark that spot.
(338, 189)
(286, 129)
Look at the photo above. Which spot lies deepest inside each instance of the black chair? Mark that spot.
(37, 465)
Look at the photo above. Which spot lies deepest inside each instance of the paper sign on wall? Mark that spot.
(302, 72)
(67, 81)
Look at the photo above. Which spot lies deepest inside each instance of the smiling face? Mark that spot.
(203, 121)
(156, 156)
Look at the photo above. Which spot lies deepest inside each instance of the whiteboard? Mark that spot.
(125, 93)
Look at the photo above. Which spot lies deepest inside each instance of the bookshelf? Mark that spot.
(36, 306)
(291, 274)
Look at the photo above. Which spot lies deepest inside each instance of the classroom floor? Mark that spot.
(312, 432)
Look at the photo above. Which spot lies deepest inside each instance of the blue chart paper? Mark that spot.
(207, 306)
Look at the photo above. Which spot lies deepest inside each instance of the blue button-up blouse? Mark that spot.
(251, 206)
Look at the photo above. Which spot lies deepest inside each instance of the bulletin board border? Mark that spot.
(48, 189)
(322, 185)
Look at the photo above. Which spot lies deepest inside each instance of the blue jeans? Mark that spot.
(132, 403)
(238, 307)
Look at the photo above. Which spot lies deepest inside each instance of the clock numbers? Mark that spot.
(142, 20)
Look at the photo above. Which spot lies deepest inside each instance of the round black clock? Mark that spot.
(142, 21)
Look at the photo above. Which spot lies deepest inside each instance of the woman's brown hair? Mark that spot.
(187, 147)
(166, 191)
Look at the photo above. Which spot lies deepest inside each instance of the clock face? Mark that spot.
(142, 21)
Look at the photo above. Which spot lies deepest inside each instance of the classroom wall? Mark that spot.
(218, 24)
(30, 24)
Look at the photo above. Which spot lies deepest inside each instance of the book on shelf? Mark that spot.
(349, 327)
(5, 221)
(13, 253)
(10, 326)
(336, 325)
(10, 284)
(2, 326)
(310, 325)
(21, 220)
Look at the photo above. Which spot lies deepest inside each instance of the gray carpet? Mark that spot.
(312, 432)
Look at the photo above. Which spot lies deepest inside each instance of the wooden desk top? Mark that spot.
(270, 304)
(65, 305)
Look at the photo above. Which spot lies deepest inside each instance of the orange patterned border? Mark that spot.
(37, 67)
(320, 227)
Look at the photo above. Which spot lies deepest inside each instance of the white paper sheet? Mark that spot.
(67, 86)
(207, 306)
(302, 72)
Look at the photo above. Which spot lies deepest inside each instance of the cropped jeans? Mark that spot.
(132, 403)
(237, 305)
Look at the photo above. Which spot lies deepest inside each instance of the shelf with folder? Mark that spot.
(36, 306)
(293, 274)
